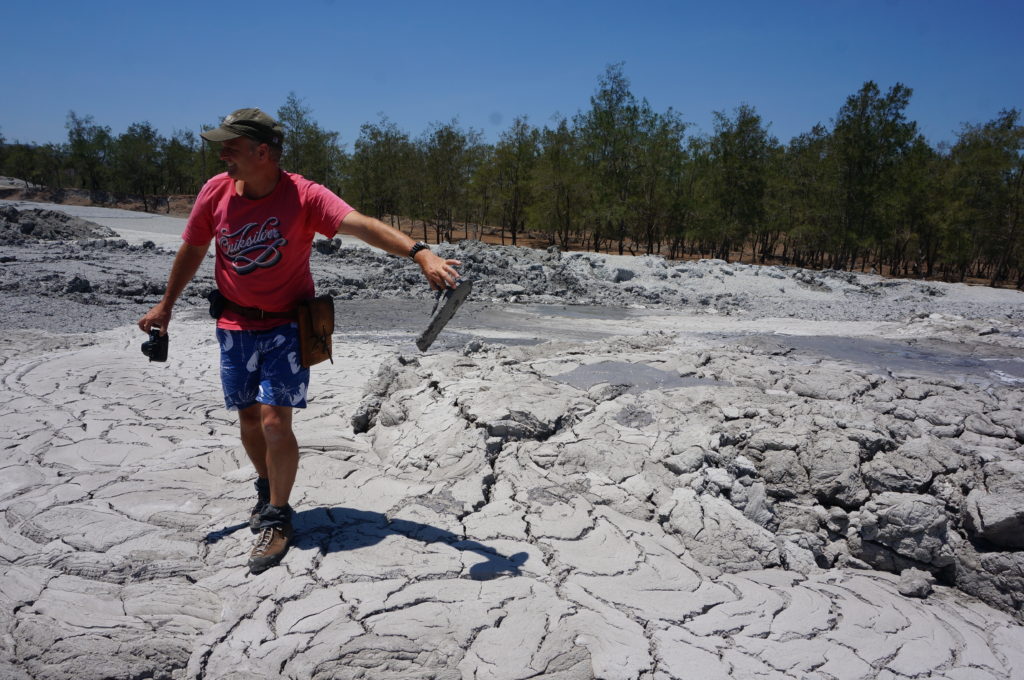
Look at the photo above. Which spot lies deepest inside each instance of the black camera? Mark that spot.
(156, 347)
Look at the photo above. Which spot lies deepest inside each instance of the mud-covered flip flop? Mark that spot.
(446, 304)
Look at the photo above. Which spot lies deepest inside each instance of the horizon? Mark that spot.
(794, 64)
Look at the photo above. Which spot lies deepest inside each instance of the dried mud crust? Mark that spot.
(470, 513)
(492, 517)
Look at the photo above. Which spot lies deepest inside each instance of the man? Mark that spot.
(263, 221)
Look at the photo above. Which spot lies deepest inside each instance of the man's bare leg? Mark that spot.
(269, 442)
(282, 452)
(281, 461)
(251, 425)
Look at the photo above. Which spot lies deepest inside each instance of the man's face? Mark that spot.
(242, 156)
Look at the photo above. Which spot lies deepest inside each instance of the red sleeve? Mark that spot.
(199, 228)
(326, 210)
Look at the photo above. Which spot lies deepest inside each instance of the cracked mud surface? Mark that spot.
(652, 494)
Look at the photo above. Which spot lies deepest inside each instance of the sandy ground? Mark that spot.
(604, 468)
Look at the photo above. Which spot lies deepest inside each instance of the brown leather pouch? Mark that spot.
(316, 325)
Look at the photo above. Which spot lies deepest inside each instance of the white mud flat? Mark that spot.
(578, 481)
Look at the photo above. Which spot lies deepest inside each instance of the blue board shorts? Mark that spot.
(262, 367)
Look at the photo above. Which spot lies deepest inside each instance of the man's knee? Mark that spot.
(277, 422)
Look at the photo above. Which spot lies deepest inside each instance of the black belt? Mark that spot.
(256, 312)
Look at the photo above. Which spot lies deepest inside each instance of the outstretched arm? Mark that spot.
(186, 263)
(440, 272)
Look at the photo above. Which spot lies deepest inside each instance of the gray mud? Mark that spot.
(605, 467)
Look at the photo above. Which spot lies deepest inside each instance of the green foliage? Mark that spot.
(89, 152)
(658, 176)
(805, 197)
(483, 190)
(26, 162)
(137, 159)
(871, 135)
(559, 187)
(740, 151)
(309, 150)
(448, 157)
(514, 159)
(181, 164)
(987, 178)
(379, 167)
(869, 192)
(609, 133)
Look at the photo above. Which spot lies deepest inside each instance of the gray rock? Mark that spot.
(997, 518)
(827, 382)
(783, 474)
(912, 526)
(718, 534)
(979, 424)
(915, 583)
(912, 467)
(995, 577)
(689, 460)
(833, 470)
(78, 285)
(753, 501)
(508, 289)
(606, 392)
(773, 440)
(997, 514)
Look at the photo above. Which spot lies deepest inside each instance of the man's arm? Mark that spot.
(186, 263)
(440, 273)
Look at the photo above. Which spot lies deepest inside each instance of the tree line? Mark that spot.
(866, 192)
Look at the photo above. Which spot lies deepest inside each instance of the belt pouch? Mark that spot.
(316, 326)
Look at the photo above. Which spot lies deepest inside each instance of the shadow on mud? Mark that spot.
(335, 529)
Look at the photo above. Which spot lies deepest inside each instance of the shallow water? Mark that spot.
(893, 356)
(640, 377)
(587, 311)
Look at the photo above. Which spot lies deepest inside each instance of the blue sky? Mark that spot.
(180, 65)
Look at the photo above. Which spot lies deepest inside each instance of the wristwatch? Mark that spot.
(417, 247)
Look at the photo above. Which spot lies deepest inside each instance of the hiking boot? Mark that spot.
(262, 499)
(275, 535)
(270, 548)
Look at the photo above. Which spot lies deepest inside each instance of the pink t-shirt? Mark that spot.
(263, 245)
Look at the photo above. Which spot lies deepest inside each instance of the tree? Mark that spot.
(33, 164)
(515, 156)
(559, 186)
(871, 134)
(51, 159)
(740, 152)
(660, 162)
(687, 196)
(805, 195)
(609, 142)
(909, 209)
(987, 176)
(483, 189)
(309, 150)
(182, 173)
(89, 150)
(382, 153)
(137, 161)
(449, 155)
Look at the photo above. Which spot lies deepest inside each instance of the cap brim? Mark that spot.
(219, 135)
